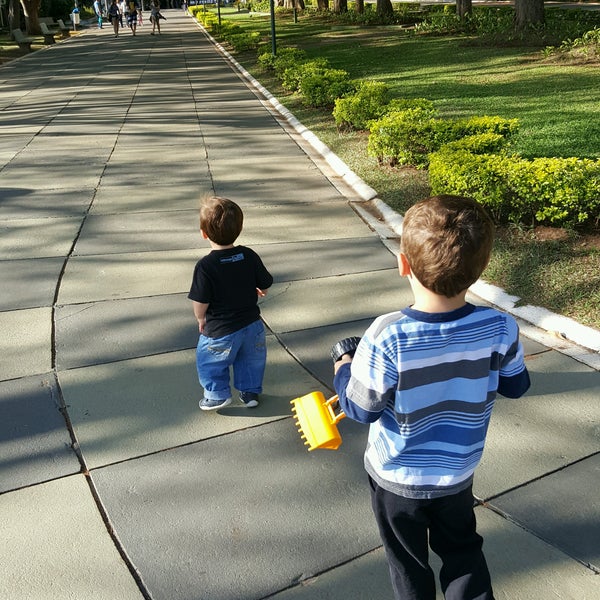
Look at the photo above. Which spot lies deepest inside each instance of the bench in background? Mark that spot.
(48, 35)
(22, 40)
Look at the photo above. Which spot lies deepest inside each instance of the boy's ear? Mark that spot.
(203, 234)
(403, 265)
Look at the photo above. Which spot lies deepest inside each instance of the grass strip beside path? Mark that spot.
(556, 104)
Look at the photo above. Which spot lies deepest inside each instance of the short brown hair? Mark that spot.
(447, 241)
(221, 219)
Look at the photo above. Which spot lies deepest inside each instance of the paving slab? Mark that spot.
(116, 276)
(25, 343)
(298, 305)
(35, 443)
(136, 407)
(272, 221)
(522, 566)
(122, 197)
(563, 509)
(364, 577)
(276, 189)
(38, 238)
(232, 531)
(534, 435)
(100, 332)
(116, 234)
(27, 203)
(312, 346)
(56, 547)
(71, 175)
(28, 283)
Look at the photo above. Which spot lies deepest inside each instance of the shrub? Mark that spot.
(287, 57)
(408, 137)
(399, 137)
(367, 103)
(555, 191)
(266, 60)
(241, 42)
(322, 89)
(481, 143)
(294, 74)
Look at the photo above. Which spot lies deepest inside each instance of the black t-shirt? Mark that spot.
(226, 280)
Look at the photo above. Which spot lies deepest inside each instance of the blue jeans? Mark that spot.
(245, 350)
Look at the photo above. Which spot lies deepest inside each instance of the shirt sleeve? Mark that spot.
(513, 379)
(201, 289)
(367, 385)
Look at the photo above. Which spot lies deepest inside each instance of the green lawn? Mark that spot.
(556, 103)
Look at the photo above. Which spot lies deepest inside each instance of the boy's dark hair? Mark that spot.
(221, 219)
(447, 241)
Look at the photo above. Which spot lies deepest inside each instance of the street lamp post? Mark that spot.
(273, 41)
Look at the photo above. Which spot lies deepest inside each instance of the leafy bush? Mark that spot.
(400, 136)
(292, 76)
(322, 89)
(586, 46)
(408, 137)
(367, 103)
(241, 42)
(481, 143)
(555, 191)
(288, 57)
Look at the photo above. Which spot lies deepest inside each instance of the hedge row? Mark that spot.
(555, 191)
(464, 156)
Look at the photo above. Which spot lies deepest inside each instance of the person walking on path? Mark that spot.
(224, 293)
(425, 378)
(98, 11)
(155, 17)
(113, 15)
(132, 15)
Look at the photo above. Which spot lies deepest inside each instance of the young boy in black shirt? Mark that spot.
(225, 289)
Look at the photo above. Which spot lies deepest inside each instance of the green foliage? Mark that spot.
(498, 22)
(242, 42)
(292, 77)
(55, 8)
(288, 57)
(400, 136)
(322, 89)
(586, 46)
(554, 191)
(367, 103)
(480, 143)
(407, 137)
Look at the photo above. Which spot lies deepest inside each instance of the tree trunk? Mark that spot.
(360, 6)
(14, 15)
(384, 8)
(31, 10)
(463, 8)
(528, 12)
(340, 6)
(323, 4)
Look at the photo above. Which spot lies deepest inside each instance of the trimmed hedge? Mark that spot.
(561, 192)
(407, 137)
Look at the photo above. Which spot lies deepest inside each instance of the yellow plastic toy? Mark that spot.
(317, 421)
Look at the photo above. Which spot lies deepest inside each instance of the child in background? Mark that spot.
(425, 378)
(225, 289)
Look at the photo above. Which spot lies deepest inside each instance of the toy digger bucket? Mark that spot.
(317, 421)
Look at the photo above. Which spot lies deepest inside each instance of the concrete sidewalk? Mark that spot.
(113, 485)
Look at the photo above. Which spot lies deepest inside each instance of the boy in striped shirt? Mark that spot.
(425, 378)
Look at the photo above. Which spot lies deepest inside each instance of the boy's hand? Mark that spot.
(344, 359)
(201, 324)
(261, 293)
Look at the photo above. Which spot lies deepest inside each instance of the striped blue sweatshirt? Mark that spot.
(427, 383)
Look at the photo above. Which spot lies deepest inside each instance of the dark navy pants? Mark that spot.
(407, 527)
